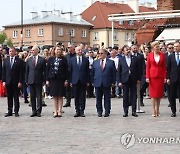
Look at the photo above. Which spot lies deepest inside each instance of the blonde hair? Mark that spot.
(153, 44)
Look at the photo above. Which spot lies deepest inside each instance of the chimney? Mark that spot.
(79, 17)
(34, 15)
(57, 12)
(44, 14)
(134, 4)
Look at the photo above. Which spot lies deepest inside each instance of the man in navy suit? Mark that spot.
(12, 79)
(103, 78)
(174, 76)
(35, 78)
(79, 79)
(129, 76)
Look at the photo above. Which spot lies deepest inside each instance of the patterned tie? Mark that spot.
(34, 61)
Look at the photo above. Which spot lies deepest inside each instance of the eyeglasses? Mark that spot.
(170, 48)
(90, 52)
(101, 53)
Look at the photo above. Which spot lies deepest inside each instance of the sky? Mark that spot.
(10, 11)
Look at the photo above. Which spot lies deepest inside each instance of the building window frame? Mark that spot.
(115, 36)
(60, 31)
(83, 33)
(96, 36)
(72, 32)
(15, 33)
(126, 36)
(40, 32)
(27, 33)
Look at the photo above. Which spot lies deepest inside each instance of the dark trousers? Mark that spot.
(129, 95)
(68, 94)
(106, 91)
(79, 97)
(90, 90)
(143, 90)
(36, 94)
(25, 94)
(12, 93)
(173, 91)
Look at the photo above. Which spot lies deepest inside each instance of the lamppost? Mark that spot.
(21, 23)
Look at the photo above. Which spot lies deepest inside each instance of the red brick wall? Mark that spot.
(164, 5)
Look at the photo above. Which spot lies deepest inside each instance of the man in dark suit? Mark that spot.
(35, 78)
(79, 79)
(167, 54)
(174, 76)
(129, 76)
(69, 91)
(103, 78)
(12, 79)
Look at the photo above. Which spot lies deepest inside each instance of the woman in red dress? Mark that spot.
(156, 76)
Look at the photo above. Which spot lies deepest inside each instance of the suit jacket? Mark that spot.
(12, 75)
(154, 69)
(105, 77)
(79, 74)
(62, 72)
(124, 70)
(35, 74)
(173, 69)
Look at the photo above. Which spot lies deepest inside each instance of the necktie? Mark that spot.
(102, 64)
(34, 61)
(11, 62)
(177, 59)
(79, 62)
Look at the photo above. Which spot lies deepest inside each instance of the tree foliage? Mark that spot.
(3, 37)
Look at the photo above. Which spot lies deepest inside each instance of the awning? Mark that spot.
(169, 34)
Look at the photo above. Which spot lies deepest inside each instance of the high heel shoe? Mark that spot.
(55, 115)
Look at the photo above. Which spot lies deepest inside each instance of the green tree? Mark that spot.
(2, 38)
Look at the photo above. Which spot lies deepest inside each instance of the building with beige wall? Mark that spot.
(49, 28)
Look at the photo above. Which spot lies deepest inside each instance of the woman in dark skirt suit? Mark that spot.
(156, 76)
(57, 75)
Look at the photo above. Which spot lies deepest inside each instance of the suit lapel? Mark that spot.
(124, 59)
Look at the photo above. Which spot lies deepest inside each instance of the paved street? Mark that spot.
(89, 135)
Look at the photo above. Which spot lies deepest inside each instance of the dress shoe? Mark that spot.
(8, 114)
(169, 105)
(16, 114)
(173, 115)
(29, 104)
(106, 115)
(125, 115)
(33, 115)
(134, 114)
(82, 114)
(77, 114)
(67, 105)
(44, 105)
(99, 114)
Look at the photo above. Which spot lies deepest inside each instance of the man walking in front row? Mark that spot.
(103, 78)
(174, 76)
(12, 79)
(35, 78)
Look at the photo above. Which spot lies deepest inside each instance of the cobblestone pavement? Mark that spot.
(89, 135)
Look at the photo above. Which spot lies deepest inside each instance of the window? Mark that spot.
(72, 32)
(131, 22)
(115, 35)
(120, 22)
(27, 33)
(15, 33)
(83, 33)
(132, 36)
(126, 36)
(96, 35)
(93, 18)
(40, 32)
(60, 32)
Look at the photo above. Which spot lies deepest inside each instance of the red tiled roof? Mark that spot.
(100, 12)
